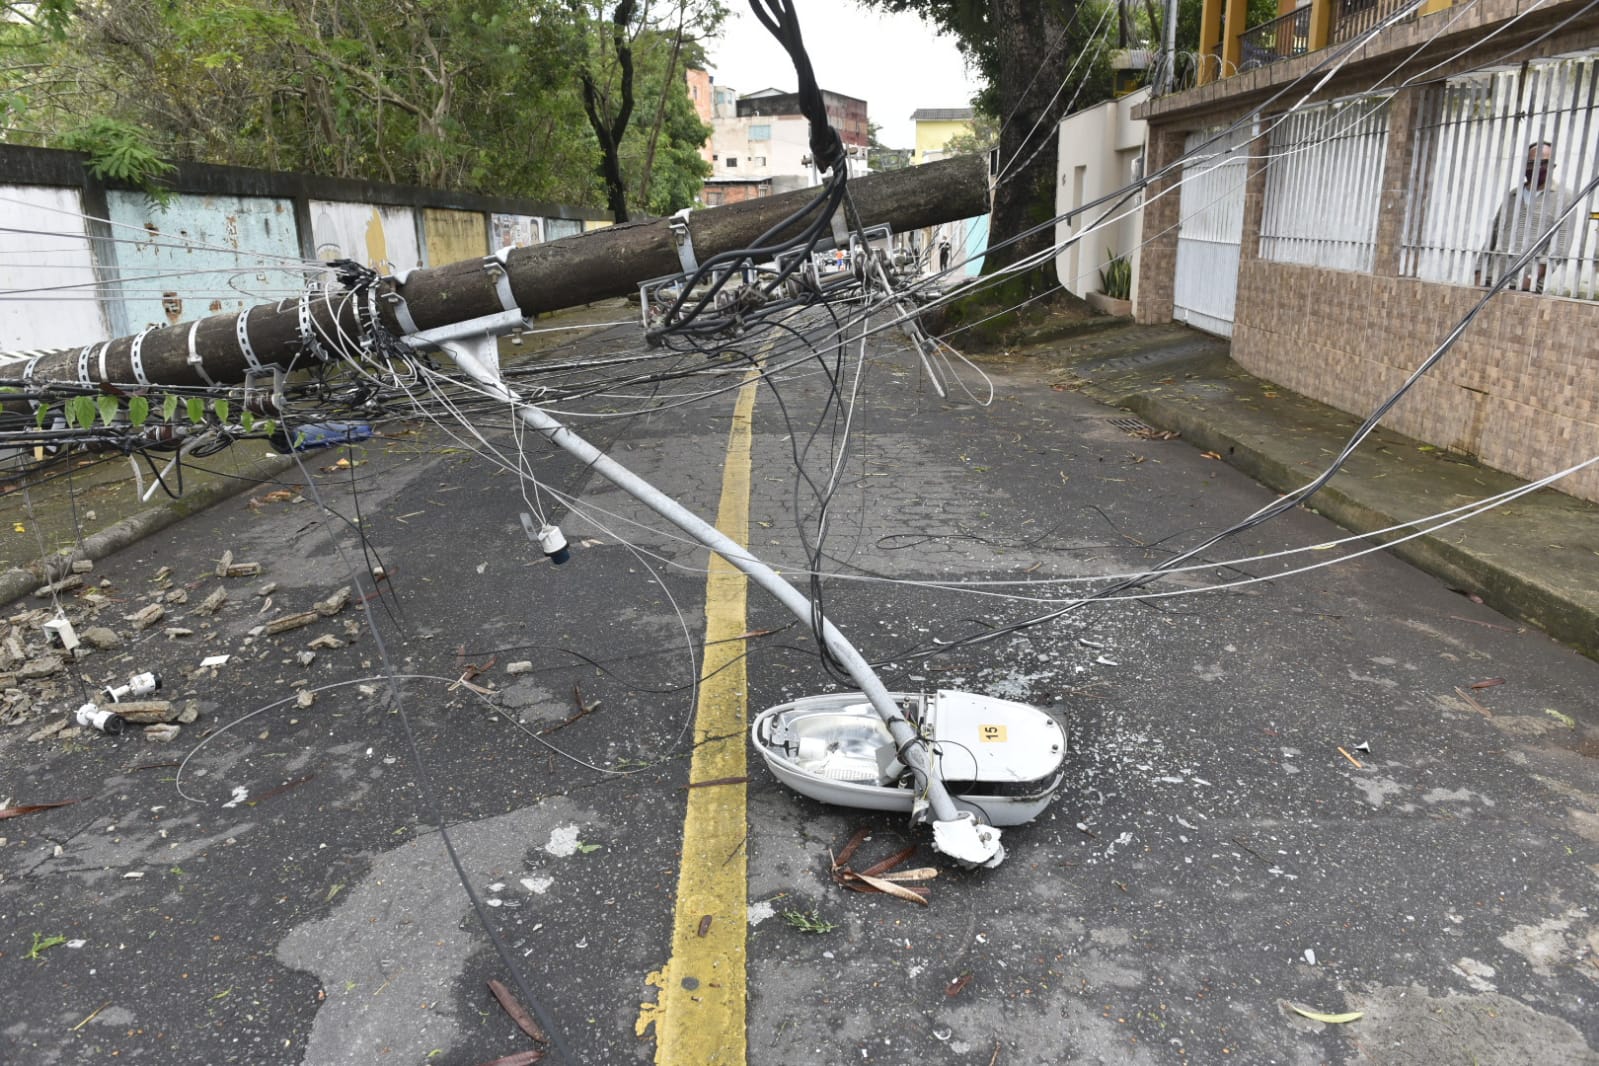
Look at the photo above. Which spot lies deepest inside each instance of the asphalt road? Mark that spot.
(1286, 792)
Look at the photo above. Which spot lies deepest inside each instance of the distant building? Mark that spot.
(701, 93)
(953, 248)
(761, 142)
(936, 127)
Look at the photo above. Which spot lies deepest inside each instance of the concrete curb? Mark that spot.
(17, 582)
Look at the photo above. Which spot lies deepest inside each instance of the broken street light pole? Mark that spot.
(225, 349)
(448, 305)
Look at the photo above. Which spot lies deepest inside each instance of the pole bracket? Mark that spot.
(678, 224)
(499, 271)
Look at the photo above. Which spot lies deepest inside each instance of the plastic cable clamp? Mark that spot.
(194, 354)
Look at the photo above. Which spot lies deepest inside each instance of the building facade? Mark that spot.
(1346, 181)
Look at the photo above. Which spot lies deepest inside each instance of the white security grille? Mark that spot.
(1324, 185)
(1474, 204)
(1206, 283)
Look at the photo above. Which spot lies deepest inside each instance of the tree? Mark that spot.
(1023, 50)
(477, 95)
(623, 37)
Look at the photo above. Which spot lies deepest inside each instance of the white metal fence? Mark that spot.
(1475, 203)
(1324, 184)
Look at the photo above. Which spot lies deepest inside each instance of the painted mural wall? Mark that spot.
(514, 231)
(452, 236)
(47, 293)
(383, 238)
(201, 255)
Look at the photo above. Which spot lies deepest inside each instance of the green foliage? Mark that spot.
(120, 152)
(80, 411)
(107, 406)
(1116, 280)
(41, 944)
(475, 95)
(195, 407)
(138, 411)
(808, 922)
(169, 407)
(220, 406)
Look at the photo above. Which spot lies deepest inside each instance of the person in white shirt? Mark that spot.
(1528, 210)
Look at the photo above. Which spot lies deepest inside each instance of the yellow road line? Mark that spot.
(699, 1012)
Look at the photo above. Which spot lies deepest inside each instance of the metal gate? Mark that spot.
(1212, 226)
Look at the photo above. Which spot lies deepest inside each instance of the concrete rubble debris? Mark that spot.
(178, 596)
(521, 666)
(305, 698)
(212, 603)
(334, 603)
(225, 562)
(291, 621)
(307, 658)
(243, 570)
(82, 566)
(162, 574)
(268, 589)
(325, 641)
(144, 712)
(43, 666)
(177, 632)
(189, 714)
(48, 731)
(162, 733)
(148, 616)
(101, 637)
(66, 584)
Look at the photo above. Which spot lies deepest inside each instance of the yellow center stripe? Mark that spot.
(699, 1012)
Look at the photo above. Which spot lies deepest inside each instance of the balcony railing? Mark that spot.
(1357, 16)
(1282, 38)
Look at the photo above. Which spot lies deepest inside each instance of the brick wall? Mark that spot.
(1519, 391)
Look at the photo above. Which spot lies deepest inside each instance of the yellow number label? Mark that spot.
(991, 734)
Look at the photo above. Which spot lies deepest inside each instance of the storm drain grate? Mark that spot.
(1131, 425)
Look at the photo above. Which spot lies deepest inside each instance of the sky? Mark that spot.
(894, 62)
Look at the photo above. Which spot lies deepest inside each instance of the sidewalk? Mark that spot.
(1535, 559)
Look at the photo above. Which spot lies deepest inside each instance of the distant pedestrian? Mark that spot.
(943, 252)
(1527, 211)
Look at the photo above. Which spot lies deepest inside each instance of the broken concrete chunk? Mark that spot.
(178, 596)
(243, 570)
(305, 698)
(190, 712)
(101, 637)
(352, 627)
(268, 589)
(307, 658)
(178, 632)
(43, 666)
(66, 584)
(162, 574)
(223, 563)
(149, 616)
(334, 603)
(162, 733)
(212, 603)
(291, 621)
(521, 666)
(82, 566)
(326, 640)
(48, 731)
(143, 712)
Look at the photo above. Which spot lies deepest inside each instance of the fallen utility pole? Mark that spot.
(449, 308)
(227, 349)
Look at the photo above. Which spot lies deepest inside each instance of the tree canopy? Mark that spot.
(478, 95)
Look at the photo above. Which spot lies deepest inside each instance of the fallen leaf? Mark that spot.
(889, 888)
(29, 808)
(958, 985)
(1564, 719)
(524, 1021)
(1329, 1019)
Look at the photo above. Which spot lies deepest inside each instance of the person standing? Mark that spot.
(1527, 211)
